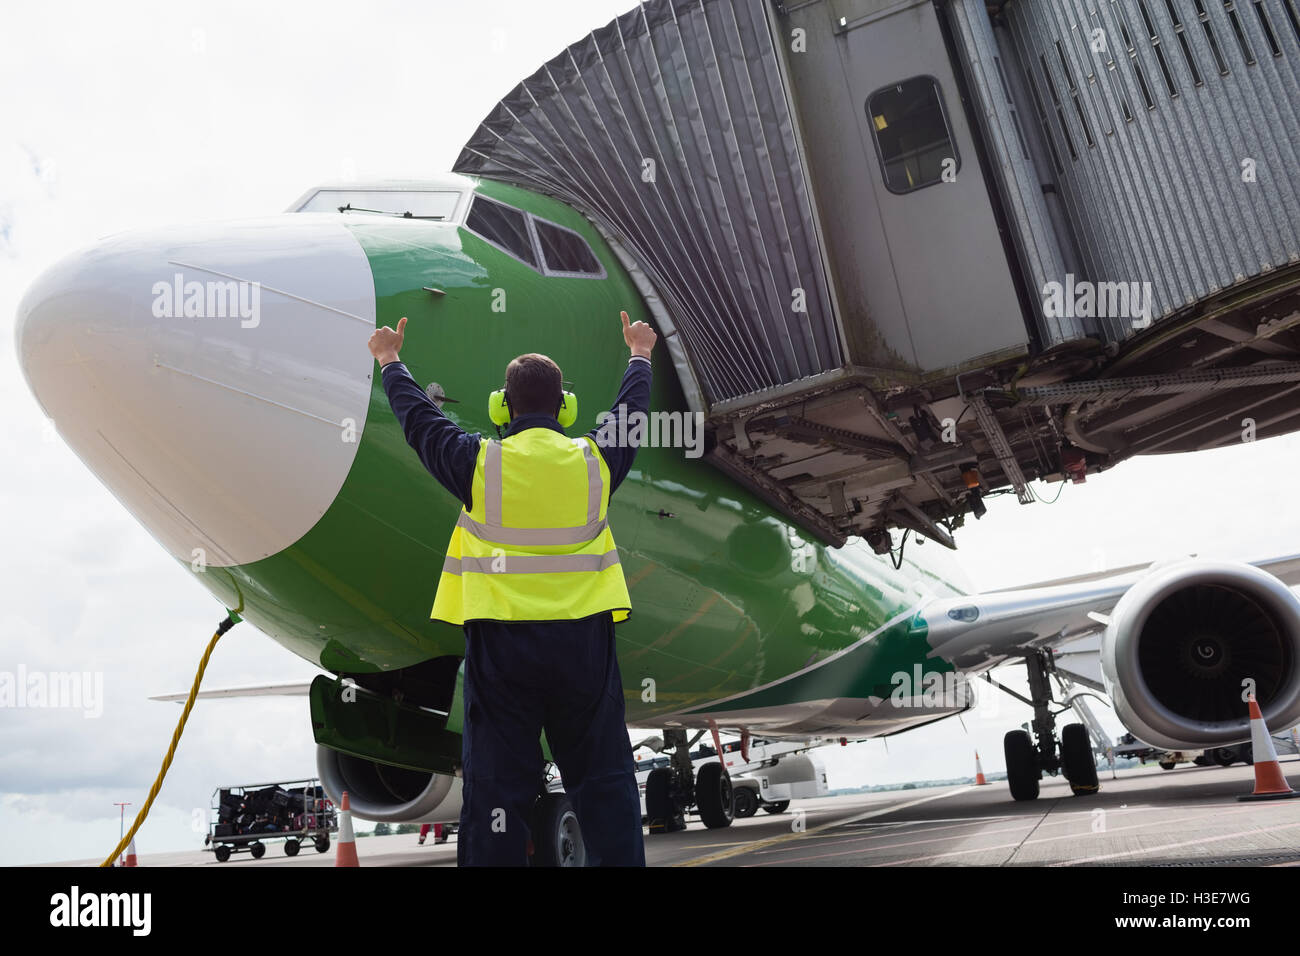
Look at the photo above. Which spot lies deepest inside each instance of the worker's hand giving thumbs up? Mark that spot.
(385, 343)
(640, 338)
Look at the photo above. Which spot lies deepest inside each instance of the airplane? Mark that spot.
(216, 378)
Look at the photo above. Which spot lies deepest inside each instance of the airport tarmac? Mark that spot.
(1147, 817)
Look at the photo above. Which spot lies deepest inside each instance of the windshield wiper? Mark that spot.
(381, 212)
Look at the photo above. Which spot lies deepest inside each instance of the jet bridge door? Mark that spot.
(921, 278)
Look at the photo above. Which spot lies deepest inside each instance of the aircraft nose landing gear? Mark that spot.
(1028, 760)
(670, 791)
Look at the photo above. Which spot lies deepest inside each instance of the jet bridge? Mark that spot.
(905, 254)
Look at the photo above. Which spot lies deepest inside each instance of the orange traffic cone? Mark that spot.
(979, 772)
(1270, 784)
(347, 851)
(130, 855)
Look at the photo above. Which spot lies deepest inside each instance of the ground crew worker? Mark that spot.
(532, 574)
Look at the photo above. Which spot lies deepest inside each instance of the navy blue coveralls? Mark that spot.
(522, 677)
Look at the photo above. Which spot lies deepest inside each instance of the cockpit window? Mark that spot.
(564, 251)
(503, 227)
(438, 205)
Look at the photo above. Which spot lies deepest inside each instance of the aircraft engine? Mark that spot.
(1187, 642)
(385, 793)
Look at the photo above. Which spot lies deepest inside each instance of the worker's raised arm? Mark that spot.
(633, 398)
(446, 449)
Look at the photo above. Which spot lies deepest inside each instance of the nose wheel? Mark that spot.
(671, 791)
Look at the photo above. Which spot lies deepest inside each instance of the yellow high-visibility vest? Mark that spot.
(536, 546)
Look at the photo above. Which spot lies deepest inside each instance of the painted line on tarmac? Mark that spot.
(786, 837)
(1174, 846)
(1220, 811)
(860, 840)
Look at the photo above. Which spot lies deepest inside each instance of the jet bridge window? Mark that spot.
(913, 139)
(502, 226)
(565, 252)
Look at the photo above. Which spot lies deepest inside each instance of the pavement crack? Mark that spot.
(1016, 849)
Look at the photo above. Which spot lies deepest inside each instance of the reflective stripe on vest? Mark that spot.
(493, 530)
(531, 563)
(496, 572)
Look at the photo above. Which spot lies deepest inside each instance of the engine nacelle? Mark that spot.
(388, 794)
(1182, 641)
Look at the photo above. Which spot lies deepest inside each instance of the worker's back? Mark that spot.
(536, 545)
(533, 575)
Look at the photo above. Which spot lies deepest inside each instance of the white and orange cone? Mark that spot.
(1270, 783)
(346, 854)
(130, 855)
(979, 772)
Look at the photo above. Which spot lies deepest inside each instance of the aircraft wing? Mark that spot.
(1174, 644)
(256, 690)
(979, 631)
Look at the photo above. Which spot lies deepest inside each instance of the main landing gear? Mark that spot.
(1029, 758)
(670, 791)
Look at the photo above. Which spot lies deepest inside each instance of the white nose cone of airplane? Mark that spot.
(215, 377)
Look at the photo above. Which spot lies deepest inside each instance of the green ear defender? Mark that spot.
(568, 409)
(499, 409)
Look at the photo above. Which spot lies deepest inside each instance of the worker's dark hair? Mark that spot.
(533, 385)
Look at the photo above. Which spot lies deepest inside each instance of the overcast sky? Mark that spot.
(116, 117)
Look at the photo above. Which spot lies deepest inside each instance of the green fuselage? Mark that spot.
(729, 600)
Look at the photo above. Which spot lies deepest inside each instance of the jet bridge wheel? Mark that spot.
(1022, 765)
(713, 796)
(1077, 760)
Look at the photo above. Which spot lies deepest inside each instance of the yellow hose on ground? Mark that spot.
(224, 626)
